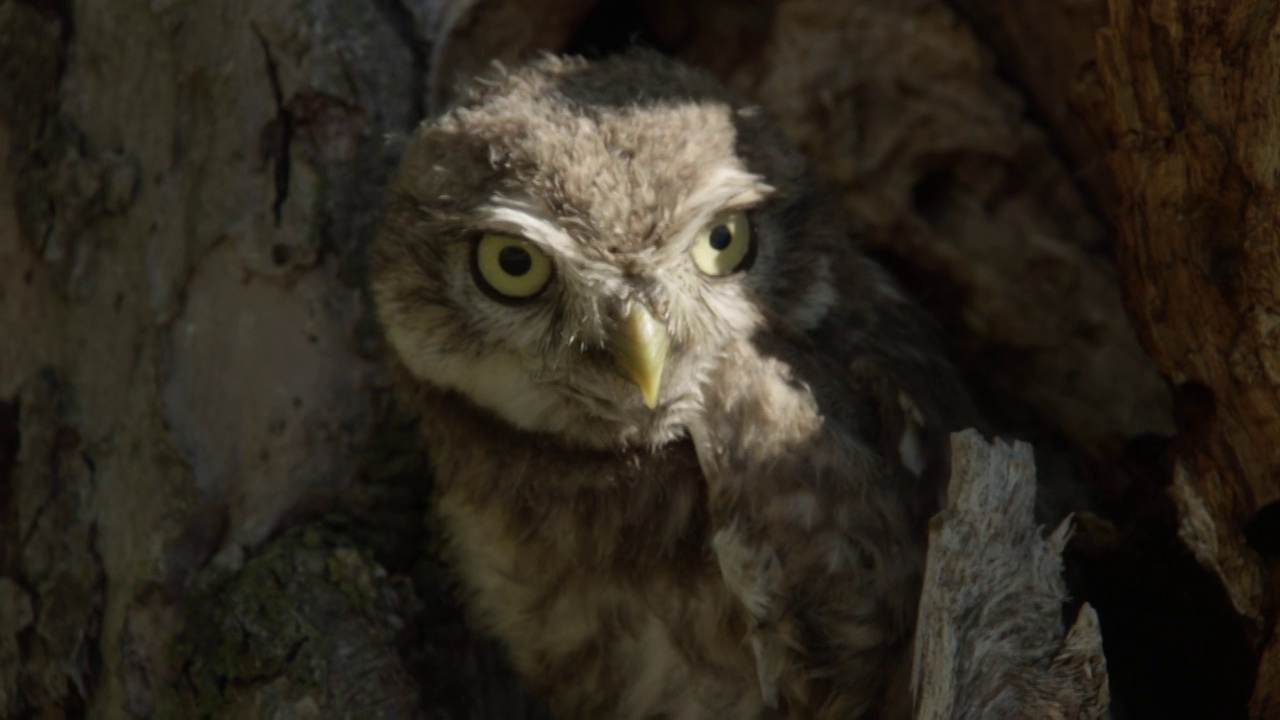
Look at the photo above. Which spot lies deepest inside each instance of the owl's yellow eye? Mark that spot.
(724, 246)
(510, 268)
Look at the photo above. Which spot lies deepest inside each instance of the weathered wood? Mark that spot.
(1185, 95)
(1194, 118)
(989, 641)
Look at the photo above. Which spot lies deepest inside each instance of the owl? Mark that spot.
(686, 436)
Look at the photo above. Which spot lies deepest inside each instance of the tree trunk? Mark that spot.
(188, 365)
(1194, 118)
(208, 502)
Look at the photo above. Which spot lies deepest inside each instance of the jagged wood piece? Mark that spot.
(989, 641)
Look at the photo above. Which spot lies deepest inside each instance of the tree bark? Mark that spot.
(1194, 118)
(1180, 98)
(187, 361)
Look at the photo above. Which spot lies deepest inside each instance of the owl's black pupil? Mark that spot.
(721, 237)
(514, 261)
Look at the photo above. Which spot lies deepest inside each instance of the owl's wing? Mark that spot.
(821, 471)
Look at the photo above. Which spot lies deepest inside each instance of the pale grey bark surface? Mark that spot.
(990, 641)
(188, 365)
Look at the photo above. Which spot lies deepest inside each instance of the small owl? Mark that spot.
(686, 436)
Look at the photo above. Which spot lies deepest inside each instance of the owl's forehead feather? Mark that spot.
(628, 150)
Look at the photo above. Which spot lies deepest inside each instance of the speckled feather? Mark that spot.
(750, 547)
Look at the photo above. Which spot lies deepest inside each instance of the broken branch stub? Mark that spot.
(989, 640)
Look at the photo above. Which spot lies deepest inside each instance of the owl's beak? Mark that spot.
(639, 344)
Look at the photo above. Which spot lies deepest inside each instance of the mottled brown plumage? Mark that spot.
(672, 485)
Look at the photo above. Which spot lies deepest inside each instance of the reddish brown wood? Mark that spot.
(1194, 118)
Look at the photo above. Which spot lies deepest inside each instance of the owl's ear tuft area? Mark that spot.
(444, 166)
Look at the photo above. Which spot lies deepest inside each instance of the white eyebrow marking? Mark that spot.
(727, 183)
(526, 217)
(725, 187)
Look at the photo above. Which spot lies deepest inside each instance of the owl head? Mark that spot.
(574, 244)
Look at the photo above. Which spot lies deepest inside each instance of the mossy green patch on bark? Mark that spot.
(309, 622)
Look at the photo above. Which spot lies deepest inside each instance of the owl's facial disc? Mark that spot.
(575, 255)
(639, 344)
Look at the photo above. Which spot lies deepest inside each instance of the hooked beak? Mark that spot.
(639, 343)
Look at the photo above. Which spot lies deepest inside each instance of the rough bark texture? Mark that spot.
(990, 642)
(1194, 117)
(190, 386)
(184, 189)
(1181, 103)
